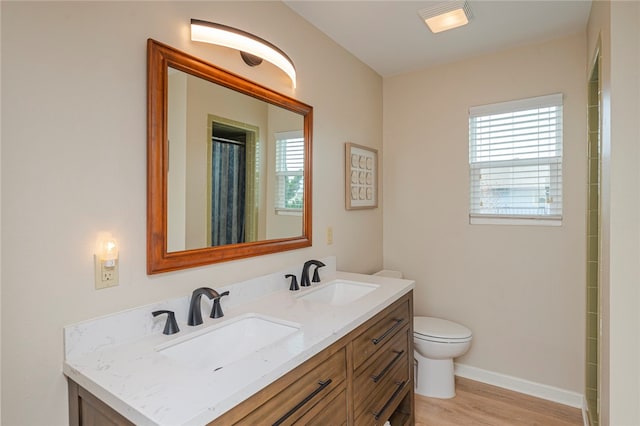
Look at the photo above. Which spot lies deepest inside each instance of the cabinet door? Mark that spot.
(87, 410)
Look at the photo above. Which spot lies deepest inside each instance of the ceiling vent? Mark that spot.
(446, 15)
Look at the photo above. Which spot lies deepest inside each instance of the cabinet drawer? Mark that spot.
(290, 404)
(376, 410)
(375, 375)
(366, 344)
(332, 414)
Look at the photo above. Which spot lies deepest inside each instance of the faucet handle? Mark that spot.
(216, 311)
(294, 282)
(171, 326)
(316, 275)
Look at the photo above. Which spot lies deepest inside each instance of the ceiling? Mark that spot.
(390, 37)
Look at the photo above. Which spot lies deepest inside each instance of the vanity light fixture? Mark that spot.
(253, 49)
(446, 16)
(106, 261)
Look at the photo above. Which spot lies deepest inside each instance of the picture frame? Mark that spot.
(361, 177)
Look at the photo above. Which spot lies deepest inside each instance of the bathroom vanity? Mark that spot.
(342, 354)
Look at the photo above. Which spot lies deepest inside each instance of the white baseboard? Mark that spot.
(550, 393)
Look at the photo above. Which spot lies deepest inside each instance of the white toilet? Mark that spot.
(436, 342)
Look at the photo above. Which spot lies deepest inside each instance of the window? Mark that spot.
(515, 161)
(289, 172)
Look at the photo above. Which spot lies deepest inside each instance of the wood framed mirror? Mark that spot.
(228, 165)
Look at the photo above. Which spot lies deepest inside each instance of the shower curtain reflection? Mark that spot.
(228, 166)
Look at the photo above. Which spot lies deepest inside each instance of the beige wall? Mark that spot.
(624, 213)
(617, 25)
(177, 173)
(521, 290)
(74, 160)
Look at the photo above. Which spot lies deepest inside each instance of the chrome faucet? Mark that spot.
(304, 279)
(195, 311)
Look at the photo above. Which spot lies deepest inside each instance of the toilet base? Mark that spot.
(434, 377)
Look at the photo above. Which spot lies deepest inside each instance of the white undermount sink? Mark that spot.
(232, 340)
(338, 292)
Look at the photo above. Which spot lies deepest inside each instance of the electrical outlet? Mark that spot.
(108, 275)
(105, 276)
(329, 235)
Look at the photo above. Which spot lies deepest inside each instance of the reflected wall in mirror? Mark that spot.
(229, 165)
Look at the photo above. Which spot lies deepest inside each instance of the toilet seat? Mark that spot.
(440, 330)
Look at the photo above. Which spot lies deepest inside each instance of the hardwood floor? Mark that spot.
(481, 404)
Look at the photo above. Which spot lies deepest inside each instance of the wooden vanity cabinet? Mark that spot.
(365, 378)
(378, 382)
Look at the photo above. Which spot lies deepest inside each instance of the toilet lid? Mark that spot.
(439, 328)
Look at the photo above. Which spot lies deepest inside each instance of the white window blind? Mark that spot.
(515, 160)
(289, 172)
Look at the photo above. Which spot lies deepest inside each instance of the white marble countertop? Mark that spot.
(117, 357)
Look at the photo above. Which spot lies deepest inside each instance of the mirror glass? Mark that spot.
(235, 166)
(229, 165)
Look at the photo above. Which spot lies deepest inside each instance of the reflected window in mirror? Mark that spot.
(289, 173)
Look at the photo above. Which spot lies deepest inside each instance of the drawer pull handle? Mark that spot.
(389, 331)
(322, 385)
(400, 386)
(384, 371)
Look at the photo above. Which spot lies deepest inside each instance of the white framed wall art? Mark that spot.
(361, 177)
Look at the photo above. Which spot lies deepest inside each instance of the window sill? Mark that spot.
(514, 221)
(289, 212)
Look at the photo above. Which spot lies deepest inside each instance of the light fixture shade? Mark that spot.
(223, 35)
(447, 15)
(107, 249)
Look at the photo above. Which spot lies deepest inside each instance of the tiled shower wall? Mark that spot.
(593, 232)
